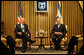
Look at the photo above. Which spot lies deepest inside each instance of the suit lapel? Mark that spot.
(57, 26)
(20, 27)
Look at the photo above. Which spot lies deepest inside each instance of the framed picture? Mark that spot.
(41, 6)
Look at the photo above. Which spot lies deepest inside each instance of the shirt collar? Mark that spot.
(22, 24)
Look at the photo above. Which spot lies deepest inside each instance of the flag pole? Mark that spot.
(62, 9)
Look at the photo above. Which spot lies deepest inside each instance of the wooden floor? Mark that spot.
(41, 51)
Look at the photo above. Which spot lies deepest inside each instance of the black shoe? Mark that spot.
(33, 41)
(70, 52)
(56, 48)
(23, 50)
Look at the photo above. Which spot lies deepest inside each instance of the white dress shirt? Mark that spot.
(58, 25)
(22, 27)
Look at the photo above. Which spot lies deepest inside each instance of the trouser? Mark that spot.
(57, 42)
(25, 38)
(11, 44)
(71, 44)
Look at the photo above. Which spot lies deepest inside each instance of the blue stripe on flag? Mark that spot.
(59, 8)
(20, 10)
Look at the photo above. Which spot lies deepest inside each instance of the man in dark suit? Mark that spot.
(9, 41)
(4, 49)
(21, 31)
(58, 31)
(73, 41)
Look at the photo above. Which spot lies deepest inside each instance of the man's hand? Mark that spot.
(58, 33)
(20, 33)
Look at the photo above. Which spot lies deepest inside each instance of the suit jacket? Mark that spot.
(61, 29)
(18, 28)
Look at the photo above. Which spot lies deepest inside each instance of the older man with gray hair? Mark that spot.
(58, 31)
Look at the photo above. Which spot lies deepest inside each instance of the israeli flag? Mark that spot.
(59, 12)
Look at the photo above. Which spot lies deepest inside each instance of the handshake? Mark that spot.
(58, 33)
